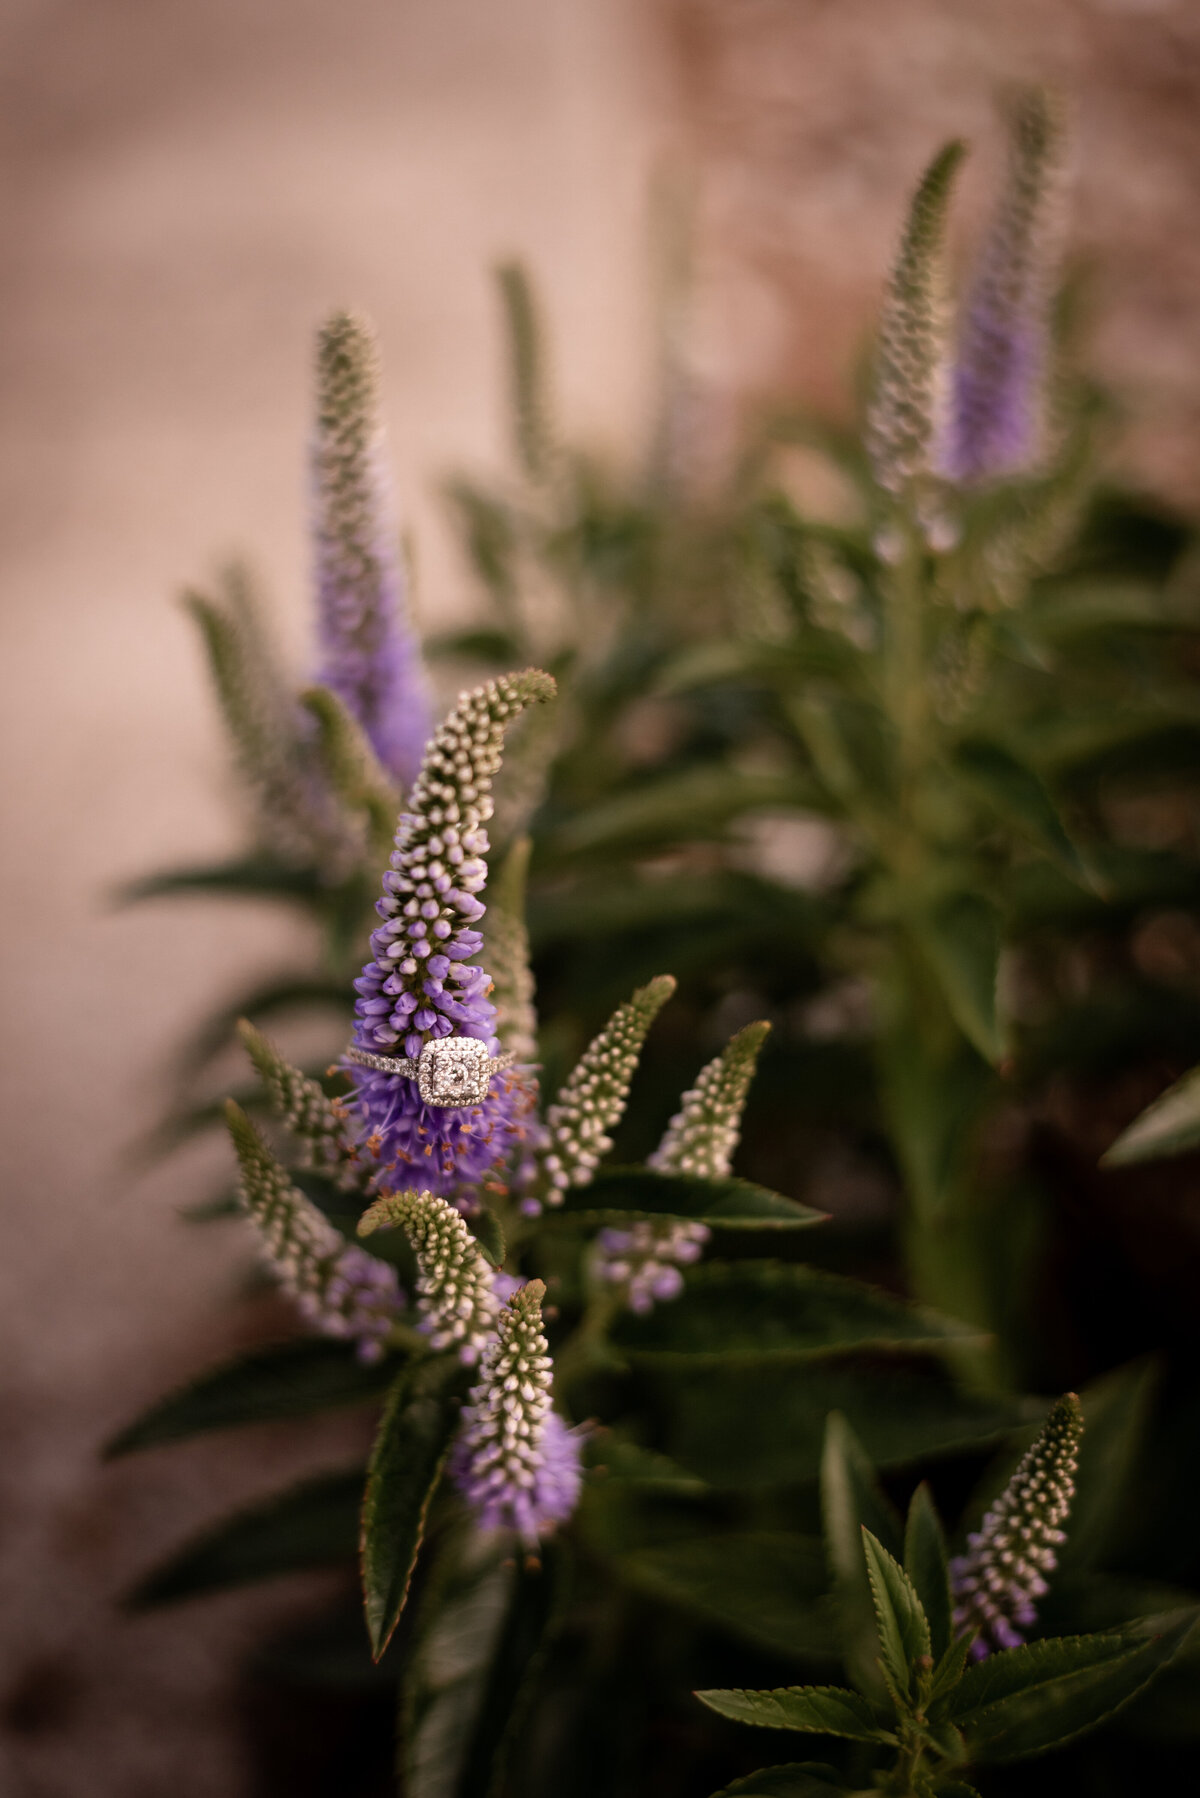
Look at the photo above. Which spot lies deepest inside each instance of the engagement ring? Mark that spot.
(451, 1072)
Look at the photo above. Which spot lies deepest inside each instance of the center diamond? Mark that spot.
(454, 1071)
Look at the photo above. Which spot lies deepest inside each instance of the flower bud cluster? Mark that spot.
(594, 1095)
(369, 654)
(418, 985)
(300, 1103)
(704, 1133)
(645, 1259)
(455, 1292)
(998, 1581)
(515, 1461)
(340, 1289)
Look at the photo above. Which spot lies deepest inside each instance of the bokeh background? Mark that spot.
(186, 190)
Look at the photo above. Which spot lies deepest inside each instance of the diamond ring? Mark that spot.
(450, 1072)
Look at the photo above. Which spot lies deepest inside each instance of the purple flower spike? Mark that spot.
(994, 419)
(370, 656)
(419, 987)
(515, 1461)
(997, 1582)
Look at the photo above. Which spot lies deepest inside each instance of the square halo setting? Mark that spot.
(454, 1071)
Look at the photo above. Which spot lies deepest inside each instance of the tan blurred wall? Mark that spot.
(186, 188)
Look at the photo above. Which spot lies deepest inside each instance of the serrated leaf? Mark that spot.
(284, 1379)
(414, 1438)
(902, 1624)
(618, 1193)
(816, 1710)
(744, 1310)
(795, 1779)
(768, 1589)
(851, 1500)
(1171, 1126)
(313, 1524)
(1029, 1699)
(960, 940)
(926, 1564)
(1017, 795)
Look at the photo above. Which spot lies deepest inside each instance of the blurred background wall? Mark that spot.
(186, 190)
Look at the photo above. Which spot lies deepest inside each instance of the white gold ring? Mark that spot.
(450, 1072)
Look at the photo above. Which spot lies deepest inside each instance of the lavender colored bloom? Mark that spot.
(418, 985)
(645, 1259)
(515, 1461)
(340, 1289)
(997, 1582)
(370, 656)
(993, 425)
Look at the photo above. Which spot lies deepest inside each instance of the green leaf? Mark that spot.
(1115, 1414)
(960, 940)
(750, 1309)
(795, 1779)
(1018, 796)
(1033, 1698)
(311, 1525)
(851, 1501)
(902, 1624)
(767, 1588)
(618, 1193)
(926, 1565)
(284, 1379)
(1171, 1126)
(689, 804)
(245, 877)
(816, 1710)
(406, 1462)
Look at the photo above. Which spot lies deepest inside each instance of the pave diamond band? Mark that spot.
(451, 1072)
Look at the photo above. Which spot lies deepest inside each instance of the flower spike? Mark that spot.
(903, 409)
(418, 985)
(1003, 1573)
(994, 418)
(313, 1118)
(704, 1133)
(593, 1097)
(340, 1289)
(454, 1283)
(369, 654)
(506, 945)
(515, 1461)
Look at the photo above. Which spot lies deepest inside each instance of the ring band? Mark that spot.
(404, 1064)
(452, 1072)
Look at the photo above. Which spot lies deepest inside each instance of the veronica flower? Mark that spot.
(704, 1133)
(645, 1258)
(515, 1461)
(318, 1122)
(370, 656)
(419, 986)
(340, 1289)
(998, 1581)
(994, 418)
(456, 1295)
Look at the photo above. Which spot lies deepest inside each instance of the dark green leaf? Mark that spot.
(926, 1565)
(796, 1779)
(251, 877)
(749, 1309)
(311, 1525)
(406, 1463)
(1017, 794)
(1115, 1414)
(960, 940)
(851, 1500)
(902, 1624)
(1029, 1699)
(1170, 1126)
(285, 1379)
(636, 1192)
(693, 803)
(816, 1710)
(768, 1589)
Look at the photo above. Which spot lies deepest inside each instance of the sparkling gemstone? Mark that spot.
(454, 1071)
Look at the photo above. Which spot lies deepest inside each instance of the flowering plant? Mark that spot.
(611, 1424)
